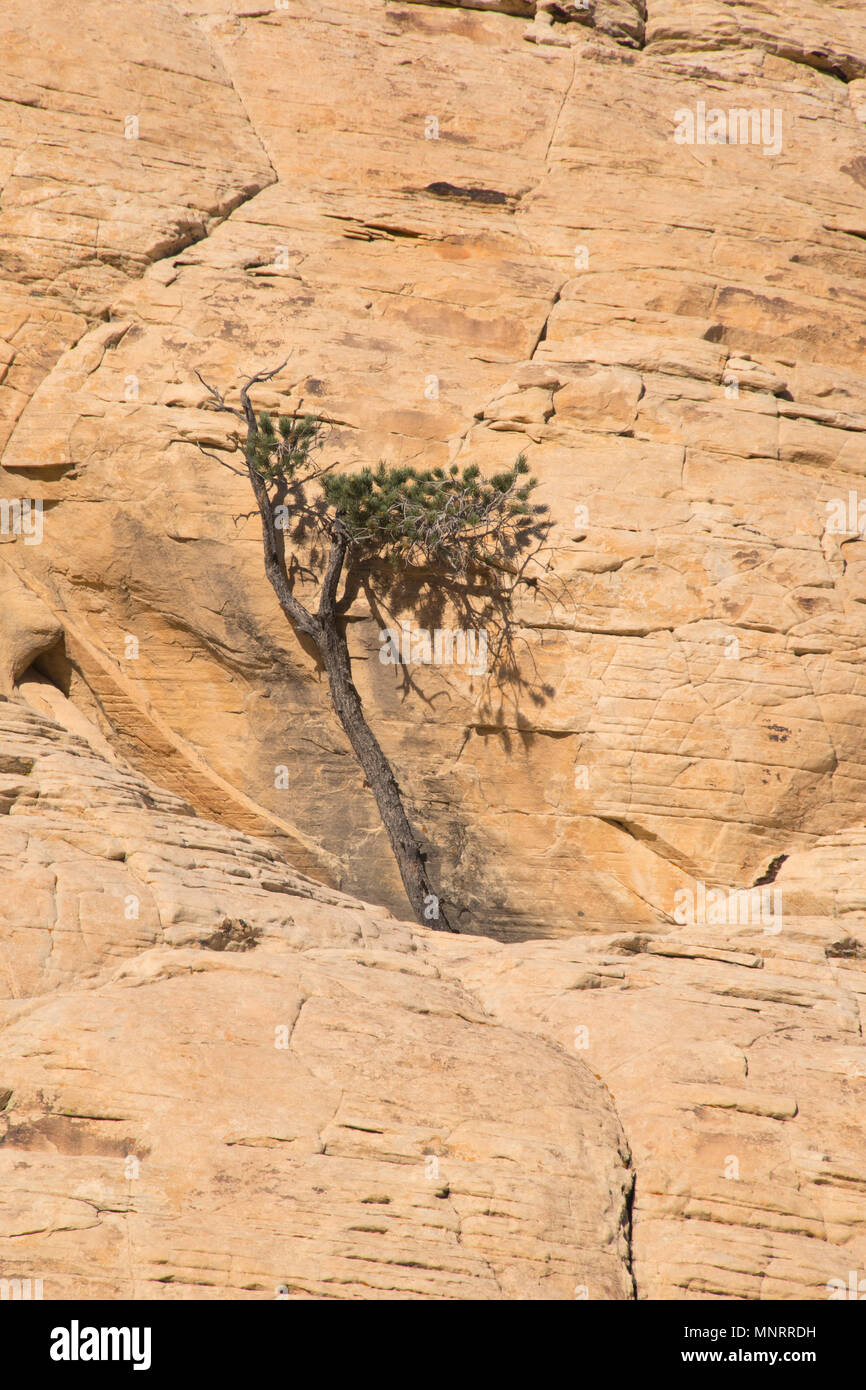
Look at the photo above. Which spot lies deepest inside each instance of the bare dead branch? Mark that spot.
(249, 414)
(240, 472)
(217, 400)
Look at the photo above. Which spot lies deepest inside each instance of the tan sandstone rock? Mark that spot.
(473, 230)
(220, 1080)
(391, 1112)
(693, 651)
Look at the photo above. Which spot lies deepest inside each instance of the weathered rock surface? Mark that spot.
(121, 141)
(471, 230)
(220, 1079)
(674, 334)
(735, 1058)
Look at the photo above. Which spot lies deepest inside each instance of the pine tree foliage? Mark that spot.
(454, 518)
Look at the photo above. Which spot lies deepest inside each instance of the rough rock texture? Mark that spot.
(220, 1079)
(90, 199)
(674, 333)
(736, 1062)
(472, 232)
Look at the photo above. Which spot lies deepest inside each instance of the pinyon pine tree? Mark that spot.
(454, 522)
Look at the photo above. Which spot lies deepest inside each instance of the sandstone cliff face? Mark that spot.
(673, 333)
(473, 230)
(220, 1079)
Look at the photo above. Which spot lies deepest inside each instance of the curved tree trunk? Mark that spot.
(324, 629)
(383, 784)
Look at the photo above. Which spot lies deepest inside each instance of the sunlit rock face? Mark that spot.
(220, 1079)
(626, 240)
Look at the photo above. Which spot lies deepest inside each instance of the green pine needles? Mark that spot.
(280, 453)
(455, 518)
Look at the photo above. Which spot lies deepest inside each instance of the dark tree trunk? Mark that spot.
(381, 779)
(324, 629)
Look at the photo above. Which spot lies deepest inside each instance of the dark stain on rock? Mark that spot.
(849, 948)
(856, 170)
(233, 934)
(470, 195)
(66, 1134)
